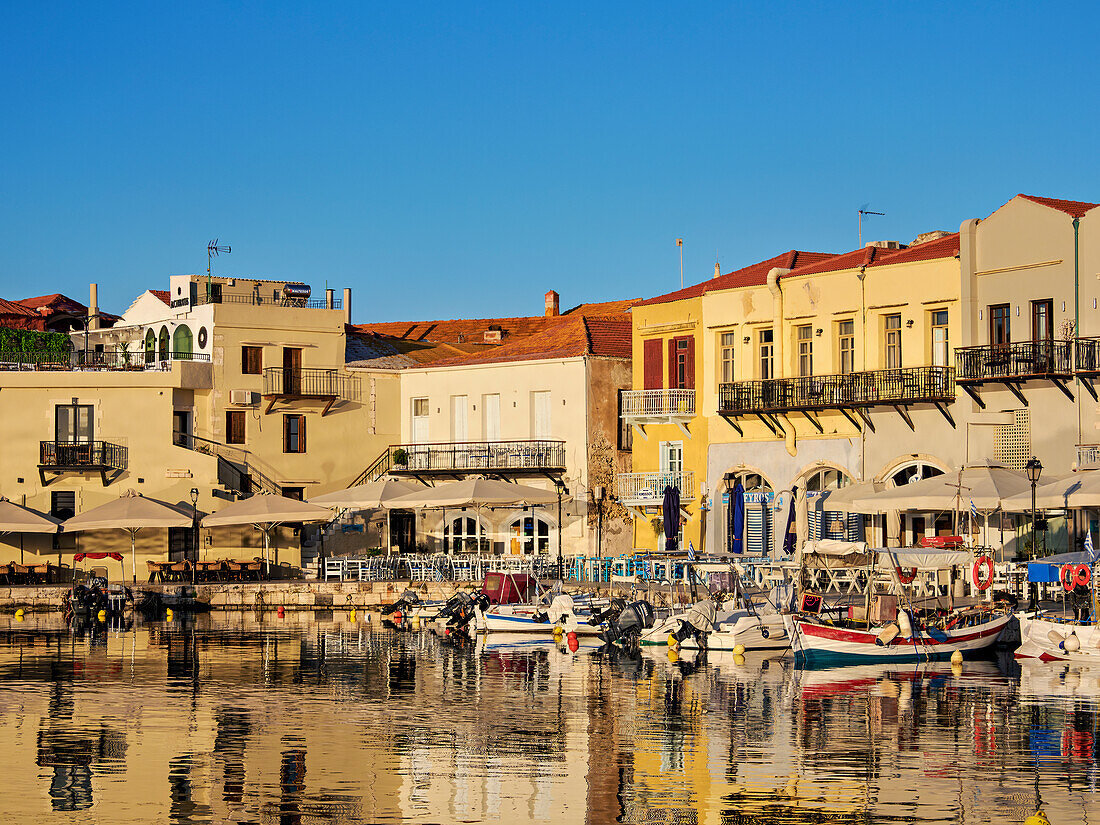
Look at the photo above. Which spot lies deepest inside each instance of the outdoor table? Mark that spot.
(156, 570)
(38, 574)
(180, 571)
(209, 570)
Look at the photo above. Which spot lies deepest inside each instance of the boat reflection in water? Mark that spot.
(231, 719)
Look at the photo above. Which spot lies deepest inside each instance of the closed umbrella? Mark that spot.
(737, 519)
(790, 535)
(670, 510)
(266, 512)
(130, 512)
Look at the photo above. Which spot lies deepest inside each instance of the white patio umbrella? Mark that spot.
(372, 496)
(266, 512)
(843, 499)
(130, 512)
(987, 485)
(1078, 490)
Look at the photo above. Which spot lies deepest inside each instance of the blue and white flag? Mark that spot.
(691, 551)
(973, 512)
(1088, 544)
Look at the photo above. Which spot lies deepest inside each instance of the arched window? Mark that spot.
(528, 534)
(162, 344)
(757, 516)
(829, 524)
(825, 478)
(182, 342)
(752, 482)
(912, 526)
(465, 534)
(912, 472)
(150, 346)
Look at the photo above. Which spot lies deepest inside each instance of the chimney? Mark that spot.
(93, 306)
(347, 305)
(328, 298)
(717, 269)
(551, 304)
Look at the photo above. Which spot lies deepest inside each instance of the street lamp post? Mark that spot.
(194, 529)
(1034, 469)
(599, 494)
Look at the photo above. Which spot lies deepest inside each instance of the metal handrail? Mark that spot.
(227, 466)
(260, 300)
(319, 382)
(1014, 360)
(905, 385)
(90, 454)
(472, 456)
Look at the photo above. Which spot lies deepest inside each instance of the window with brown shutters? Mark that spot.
(294, 433)
(252, 360)
(234, 427)
(681, 363)
(651, 364)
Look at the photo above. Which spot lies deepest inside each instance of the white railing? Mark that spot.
(658, 404)
(1088, 456)
(649, 488)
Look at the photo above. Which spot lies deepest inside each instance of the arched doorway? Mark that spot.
(529, 533)
(757, 527)
(150, 346)
(162, 344)
(465, 533)
(182, 343)
(823, 523)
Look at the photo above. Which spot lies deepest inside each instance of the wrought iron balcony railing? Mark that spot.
(649, 488)
(479, 456)
(309, 382)
(654, 405)
(82, 455)
(898, 387)
(1020, 360)
(1087, 356)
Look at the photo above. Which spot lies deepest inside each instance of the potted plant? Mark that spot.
(400, 457)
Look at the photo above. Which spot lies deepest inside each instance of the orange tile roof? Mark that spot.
(1076, 209)
(752, 275)
(16, 308)
(163, 294)
(945, 247)
(609, 335)
(57, 301)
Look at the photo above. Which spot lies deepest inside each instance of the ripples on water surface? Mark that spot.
(234, 720)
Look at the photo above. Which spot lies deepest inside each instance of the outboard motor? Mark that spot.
(613, 610)
(697, 622)
(627, 628)
(461, 611)
(397, 615)
(1081, 599)
(1033, 597)
(561, 607)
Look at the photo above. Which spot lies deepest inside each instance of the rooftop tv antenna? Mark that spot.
(864, 211)
(212, 251)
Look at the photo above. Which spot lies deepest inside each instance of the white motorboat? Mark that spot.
(1058, 639)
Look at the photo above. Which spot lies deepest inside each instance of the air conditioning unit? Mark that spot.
(244, 398)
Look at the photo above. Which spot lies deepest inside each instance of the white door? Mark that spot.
(672, 457)
(459, 430)
(540, 402)
(490, 410)
(419, 430)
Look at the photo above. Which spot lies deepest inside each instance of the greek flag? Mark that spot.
(691, 551)
(1088, 544)
(973, 512)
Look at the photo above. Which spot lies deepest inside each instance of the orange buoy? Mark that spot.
(571, 641)
(280, 611)
(1066, 574)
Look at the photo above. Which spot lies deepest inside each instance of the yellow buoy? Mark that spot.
(738, 659)
(1037, 818)
(351, 615)
(738, 650)
(19, 613)
(557, 631)
(957, 657)
(673, 654)
(671, 641)
(102, 615)
(168, 614)
(415, 624)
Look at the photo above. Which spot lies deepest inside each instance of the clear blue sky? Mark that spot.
(452, 159)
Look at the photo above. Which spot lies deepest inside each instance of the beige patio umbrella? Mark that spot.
(1079, 490)
(15, 518)
(371, 496)
(130, 512)
(266, 512)
(476, 492)
(987, 485)
(843, 499)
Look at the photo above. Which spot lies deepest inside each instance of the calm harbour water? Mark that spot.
(233, 719)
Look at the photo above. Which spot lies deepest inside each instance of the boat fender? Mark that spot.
(1082, 575)
(956, 657)
(1066, 574)
(758, 576)
(905, 625)
(1056, 638)
(1071, 644)
(738, 650)
(887, 635)
(982, 574)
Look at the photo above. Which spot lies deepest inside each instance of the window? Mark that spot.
(419, 420)
(252, 360)
(672, 457)
(150, 346)
(804, 335)
(294, 433)
(529, 534)
(651, 364)
(540, 408)
(73, 423)
(460, 430)
(63, 506)
(490, 413)
(1042, 320)
(892, 324)
(234, 427)
(182, 342)
(939, 338)
(846, 339)
(1000, 331)
(626, 431)
(825, 479)
(162, 344)
(727, 345)
(681, 363)
(181, 544)
(766, 347)
(465, 534)
(296, 493)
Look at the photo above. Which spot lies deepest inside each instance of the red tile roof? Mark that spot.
(752, 275)
(609, 335)
(56, 302)
(16, 308)
(945, 247)
(1076, 209)
(163, 294)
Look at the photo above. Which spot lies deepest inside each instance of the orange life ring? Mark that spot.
(1066, 574)
(1082, 575)
(906, 578)
(982, 582)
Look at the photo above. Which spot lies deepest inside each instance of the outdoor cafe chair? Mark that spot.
(334, 569)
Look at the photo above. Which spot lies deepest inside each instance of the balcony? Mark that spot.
(103, 457)
(851, 394)
(491, 457)
(1088, 456)
(295, 301)
(95, 361)
(641, 407)
(648, 489)
(1012, 364)
(311, 383)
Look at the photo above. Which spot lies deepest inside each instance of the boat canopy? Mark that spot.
(924, 559)
(832, 554)
(1048, 570)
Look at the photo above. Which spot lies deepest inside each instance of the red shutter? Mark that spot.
(672, 383)
(689, 364)
(651, 364)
